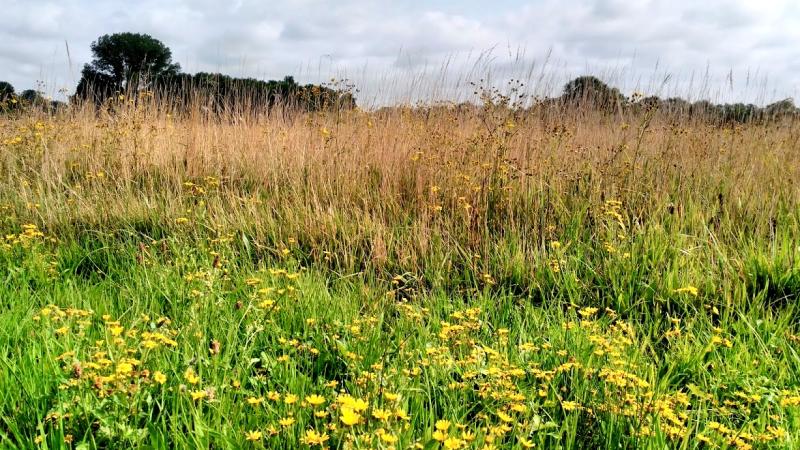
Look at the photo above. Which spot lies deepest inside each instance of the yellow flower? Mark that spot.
(124, 368)
(190, 376)
(388, 438)
(439, 436)
(312, 437)
(504, 417)
(381, 414)
(289, 399)
(286, 421)
(253, 401)
(315, 399)
(688, 290)
(442, 425)
(526, 443)
(519, 407)
(199, 395)
(349, 417)
(453, 443)
(402, 415)
(253, 435)
(159, 377)
(570, 406)
(356, 404)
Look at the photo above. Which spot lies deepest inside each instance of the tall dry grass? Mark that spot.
(384, 163)
(385, 190)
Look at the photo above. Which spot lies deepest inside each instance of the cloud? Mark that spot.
(635, 43)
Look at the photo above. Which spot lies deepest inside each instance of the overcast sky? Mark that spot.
(724, 49)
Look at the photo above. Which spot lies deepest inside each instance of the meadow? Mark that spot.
(447, 276)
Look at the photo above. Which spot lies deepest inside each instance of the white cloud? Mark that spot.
(635, 43)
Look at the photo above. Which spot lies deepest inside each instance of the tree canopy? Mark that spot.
(123, 56)
(591, 91)
(7, 100)
(6, 90)
(124, 61)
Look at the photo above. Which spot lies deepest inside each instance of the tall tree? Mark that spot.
(124, 61)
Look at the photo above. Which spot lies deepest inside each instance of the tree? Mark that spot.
(738, 112)
(32, 97)
(7, 98)
(591, 91)
(780, 109)
(124, 61)
(95, 85)
(6, 90)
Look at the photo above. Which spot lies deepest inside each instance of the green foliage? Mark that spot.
(126, 56)
(224, 93)
(6, 90)
(590, 91)
(8, 100)
(618, 356)
(124, 61)
(33, 97)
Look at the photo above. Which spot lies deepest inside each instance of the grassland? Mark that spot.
(442, 277)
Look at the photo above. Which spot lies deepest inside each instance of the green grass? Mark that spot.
(726, 357)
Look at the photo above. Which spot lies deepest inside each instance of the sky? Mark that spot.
(725, 50)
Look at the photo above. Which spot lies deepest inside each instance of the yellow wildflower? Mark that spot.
(349, 417)
(253, 435)
(159, 377)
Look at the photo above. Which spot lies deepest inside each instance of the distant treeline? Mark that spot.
(10, 100)
(591, 93)
(220, 92)
(132, 64)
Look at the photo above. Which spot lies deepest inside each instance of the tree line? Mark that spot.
(591, 93)
(11, 100)
(135, 63)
